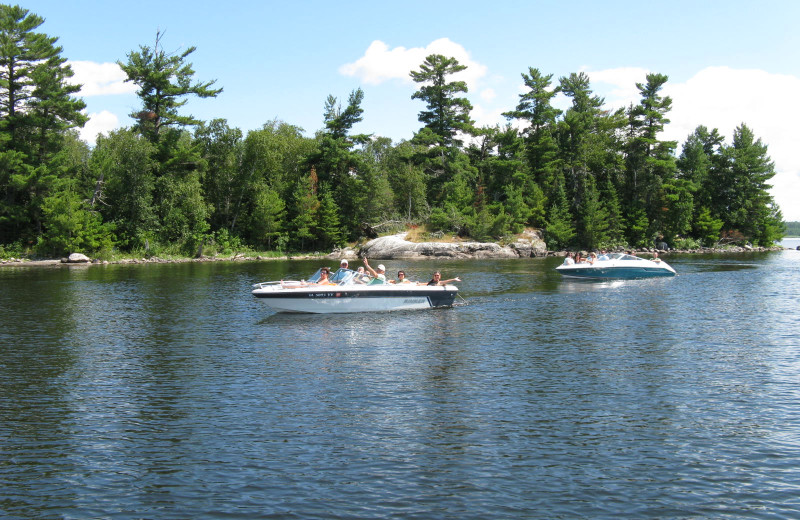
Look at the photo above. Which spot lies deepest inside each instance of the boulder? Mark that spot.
(396, 247)
(78, 258)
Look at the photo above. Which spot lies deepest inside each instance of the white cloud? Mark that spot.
(488, 94)
(100, 123)
(622, 80)
(724, 98)
(786, 190)
(100, 79)
(487, 116)
(380, 63)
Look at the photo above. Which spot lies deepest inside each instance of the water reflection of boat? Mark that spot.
(345, 293)
(618, 266)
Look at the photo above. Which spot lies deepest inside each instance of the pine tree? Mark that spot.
(559, 231)
(650, 162)
(535, 108)
(306, 207)
(165, 82)
(269, 213)
(446, 114)
(750, 207)
(328, 226)
(37, 109)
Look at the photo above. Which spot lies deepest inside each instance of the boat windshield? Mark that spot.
(340, 277)
(315, 277)
(343, 276)
(623, 256)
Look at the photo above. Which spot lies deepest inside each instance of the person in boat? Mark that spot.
(603, 255)
(592, 258)
(343, 264)
(570, 258)
(324, 277)
(656, 259)
(437, 280)
(361, 276)
(378, 274)
(578, 258)
(401, 278)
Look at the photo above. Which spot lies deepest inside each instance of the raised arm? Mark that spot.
(371, 270)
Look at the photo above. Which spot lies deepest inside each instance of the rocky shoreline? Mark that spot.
(392, 247)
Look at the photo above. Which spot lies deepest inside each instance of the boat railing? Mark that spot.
(282, 283)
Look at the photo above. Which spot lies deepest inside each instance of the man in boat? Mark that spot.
(378, 274)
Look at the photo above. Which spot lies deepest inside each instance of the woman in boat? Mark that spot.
(324, 277)
(437, 280)
(569, 260)
(401, 278)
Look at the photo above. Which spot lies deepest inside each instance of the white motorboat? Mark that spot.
(618, 266)
(346, 292)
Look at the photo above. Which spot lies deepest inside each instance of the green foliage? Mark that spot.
(37, 110)
(592, 217)
(124, 167)
(707, 228)
(559, 231)
(637, 226)
(446, 113)
(448, 219)
(792, 229)
(306, 205)
(12, 250)
(226, 177)
(70, 227)
(165, 82)
(268, 216)
(328, 226)
(226, 243)
(686, 243)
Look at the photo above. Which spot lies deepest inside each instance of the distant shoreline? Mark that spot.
(336, 255)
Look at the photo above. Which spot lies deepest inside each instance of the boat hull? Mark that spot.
(616, 273)
(337, 299)
(619, 267)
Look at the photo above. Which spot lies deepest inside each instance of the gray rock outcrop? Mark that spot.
(396, 247)
(78, 258)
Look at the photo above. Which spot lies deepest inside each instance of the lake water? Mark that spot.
(167, 391)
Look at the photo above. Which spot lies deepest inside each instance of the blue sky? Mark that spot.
(728, 62)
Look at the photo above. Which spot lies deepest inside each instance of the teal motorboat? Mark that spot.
(619, 266)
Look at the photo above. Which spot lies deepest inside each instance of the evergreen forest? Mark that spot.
(793, 229)
(587, 176)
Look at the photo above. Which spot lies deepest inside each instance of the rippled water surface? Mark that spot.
(167, 391)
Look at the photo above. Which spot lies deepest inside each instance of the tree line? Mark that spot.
(792, 229)
(587, 176)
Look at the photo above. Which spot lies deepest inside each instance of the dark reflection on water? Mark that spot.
(169, 392)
